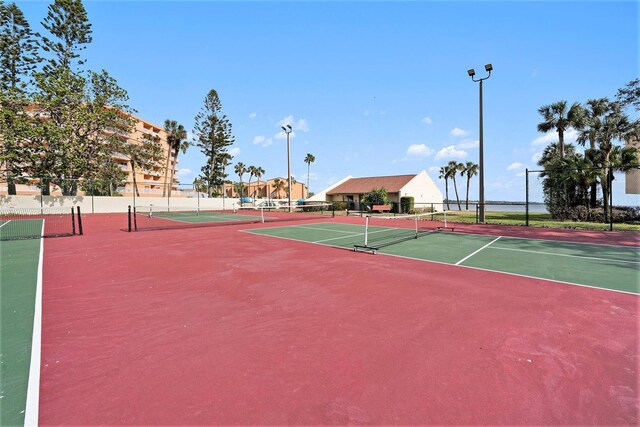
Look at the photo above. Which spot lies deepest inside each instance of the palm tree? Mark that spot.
(444, 174)
(240, 169)
(557, 117)
(278, 185)
(258, 172)
(592, 121)
(176, 142)
(615, 126)
(454, 167)
(310, 158)
(469, 169)
(251, 170)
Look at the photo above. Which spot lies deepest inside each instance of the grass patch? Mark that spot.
(536, 219)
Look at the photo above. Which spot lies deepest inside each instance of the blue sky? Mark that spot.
(370, 88)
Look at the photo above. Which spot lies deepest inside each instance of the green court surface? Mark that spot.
(195, 217)
(19, 261)
(25, 228)
(602, 266)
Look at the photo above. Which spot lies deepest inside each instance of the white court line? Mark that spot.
(5, 223)
(472, 254)
(33, 386)
(567, 255)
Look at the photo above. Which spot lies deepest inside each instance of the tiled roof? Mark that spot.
(392, 184)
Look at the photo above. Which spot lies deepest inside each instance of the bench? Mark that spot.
(381, 208)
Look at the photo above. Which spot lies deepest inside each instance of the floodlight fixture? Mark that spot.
(471, 72)
(288, 129)
(488, 67)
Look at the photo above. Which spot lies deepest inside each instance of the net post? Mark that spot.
(135, 219)
(445, 218)
(262, 215)
(80, 231)
(366, 231)
(73, 222)
(129, 218)
(415, 220)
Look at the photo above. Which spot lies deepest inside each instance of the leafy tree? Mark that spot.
(107, 181)
(557, 117)
(213, 137)
(176, 141)
(445, 174)
(469, 169)
(454, 168)
(309, 158)
(74, 114)
(559, 193)
(143, 155)
(377, 196)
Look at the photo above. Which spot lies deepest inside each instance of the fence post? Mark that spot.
(610, 177)
(526, 198)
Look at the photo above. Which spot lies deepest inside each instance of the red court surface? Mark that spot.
(213, 326)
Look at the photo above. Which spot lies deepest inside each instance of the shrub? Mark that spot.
(340, 206)
(406, 204)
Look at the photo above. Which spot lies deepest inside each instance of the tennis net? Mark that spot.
(151, 217)
(33, 223)
(381, 231)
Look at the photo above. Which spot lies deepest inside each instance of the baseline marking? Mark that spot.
(472, 254)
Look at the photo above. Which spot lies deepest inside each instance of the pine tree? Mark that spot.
(213, 137)
(18, 59)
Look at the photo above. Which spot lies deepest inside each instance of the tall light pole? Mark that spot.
(287, 129)
(472, 73)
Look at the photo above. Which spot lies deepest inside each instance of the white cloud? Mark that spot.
(450, 152)
(297, 125)
(536, 157)
(253, 115)
(427, 120)
(418, 150)
(468, 143)
(184, 172)
(457, 132)
(434, 170)
(261, 140)
(570, 137)
(234, 151)
(515, 166)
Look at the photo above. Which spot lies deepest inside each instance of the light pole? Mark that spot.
(472, 73)
(288, 130)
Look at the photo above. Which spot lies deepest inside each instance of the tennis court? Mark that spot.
(269, 323)
(603, 266)
(150, 217)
